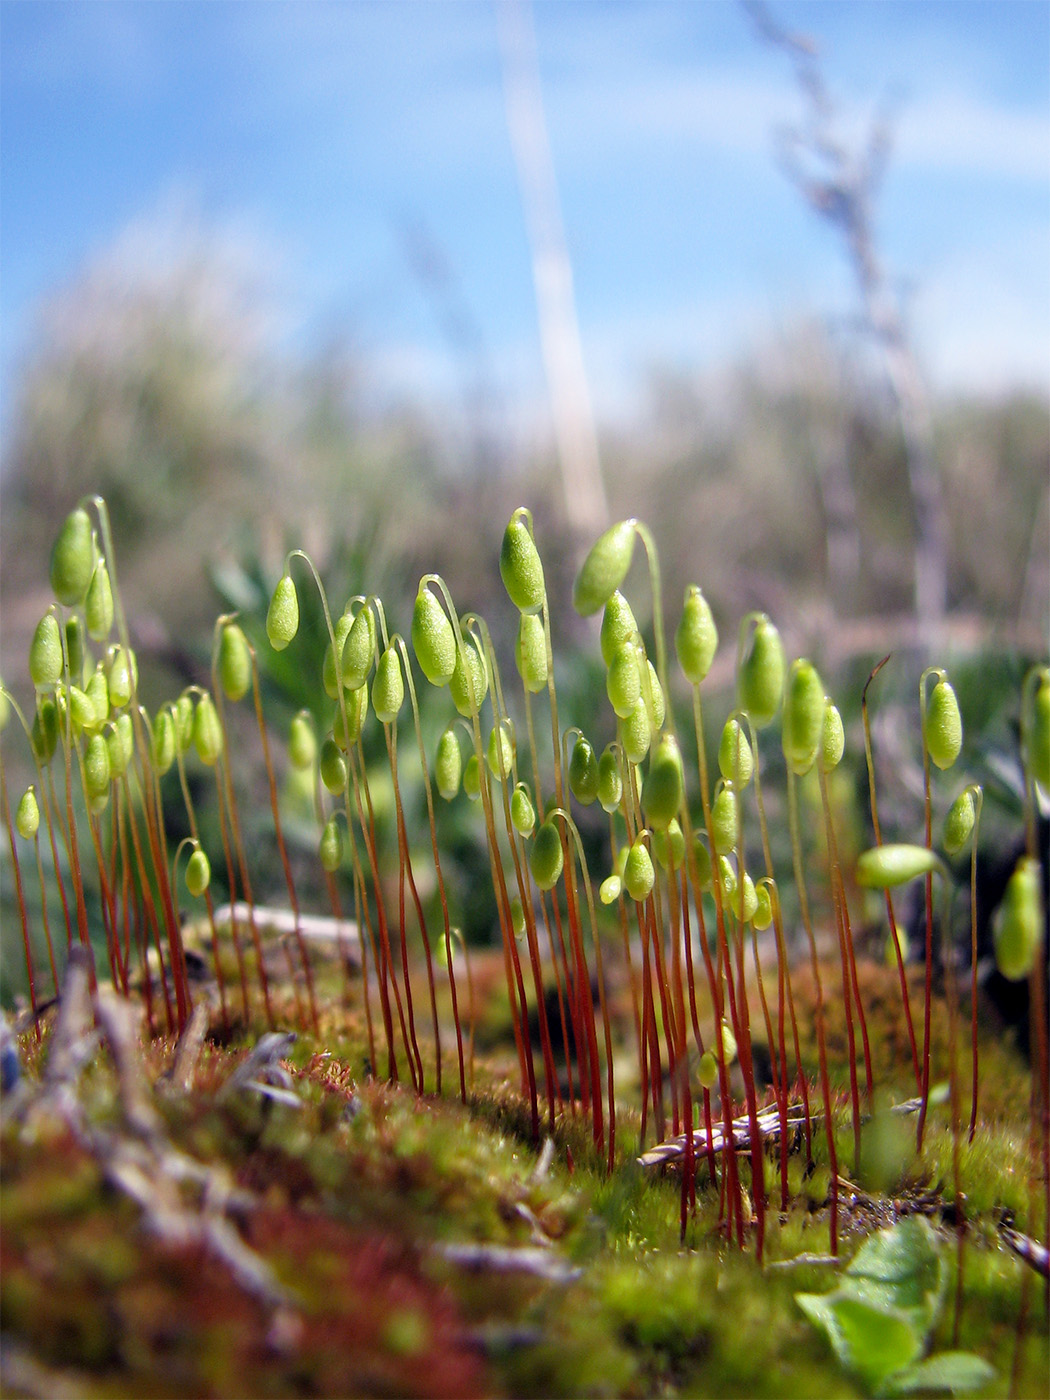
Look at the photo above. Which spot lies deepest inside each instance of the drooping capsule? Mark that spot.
(696, 637)
(943, 725)
(235, 663)
(605, 568)
(664, 785)
(448, 765)
(546, 859)
(1016, 927)
(282, 617)
(583, 772)
(760, 670)
(433, 638)
(73, 558)
(388, 686)
(803, 723)
(520, 566)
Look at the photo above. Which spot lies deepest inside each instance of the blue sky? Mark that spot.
(317, 133)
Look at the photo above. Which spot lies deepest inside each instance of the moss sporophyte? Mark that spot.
(714, 1001)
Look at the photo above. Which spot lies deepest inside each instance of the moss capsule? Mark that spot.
(332, 766)
(98, 605)
(724, 820)
(500, 751)
(943, 725)
(73, 558)
(355, 703)
(235, 662)
(663, 786)
(45, 653)
(433, 639)
(459, 687)
(736, 762)
(359, 649)
(183, 713)
(302, 742)
(76, 649)
(604, 569)
(884, 867)
(530, 652)
(636, 732)
(96, 767)
(832, 738)
(610, 780)
(1016, 929)
(696, 637)
(522, 811)
(520, 566)
(330, 847)
(623, 681)
(618, 626)
(164, 742)
(803, 722)
(121, 677)
(198, 873)
(1038, 733)
(546, 858)
(760, 670)
(669, 846)
(959, 823)
(707, 1071)
(207, 731)
(472, 778)
(44, 732)
(27, 816)
(120, 740)
(97, 691)
(583, 772)
(282, 617)
(448, 765)
(638, 874)
(388, 687)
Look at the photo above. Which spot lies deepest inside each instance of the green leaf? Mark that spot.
(951, 1372)
(870, 1341)
(900, 1268)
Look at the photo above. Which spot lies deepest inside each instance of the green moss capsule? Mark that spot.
(744, 901)
(120, 740)
(943, 726)
(522, 811)
(98, 605)
(355, 702)
(388, 687)
(696, 637)
(884, 867)
(763, 915)
(330, 847)
(235, 663)
(832, 738)
(530, 652)
(76, 649)
(725, 817)
(433, 639)
(359, 649)
(736, 762)
(96, 767)
(331, 669)
(517, 917)
(5, 707)
(302, 742)
(198, 873)
(707, 1071)
(183, 713)
(638, 873)
(1038, 733)
(520, 566)
(701, 869)
(653, 695)
(664, 784)
(85, 720)
(610, 779)
(623, 681)
(73, 558)
(121, 677)
(605, 568)
(207, 731)
(618, 626)
(97, 691)
(609, 889)
(760, 670)
(959, 823)
(45, 653)
(636, 732)
(472, 777)
(282, 617)
(583, 772)
(500, 751)
(546, 858)
(27, 815)
(669, 846)
(469, 663)
(44, 732)
(332, 766)
(1016, 929)
(803, 723)
(448, 765)
(165, 742)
